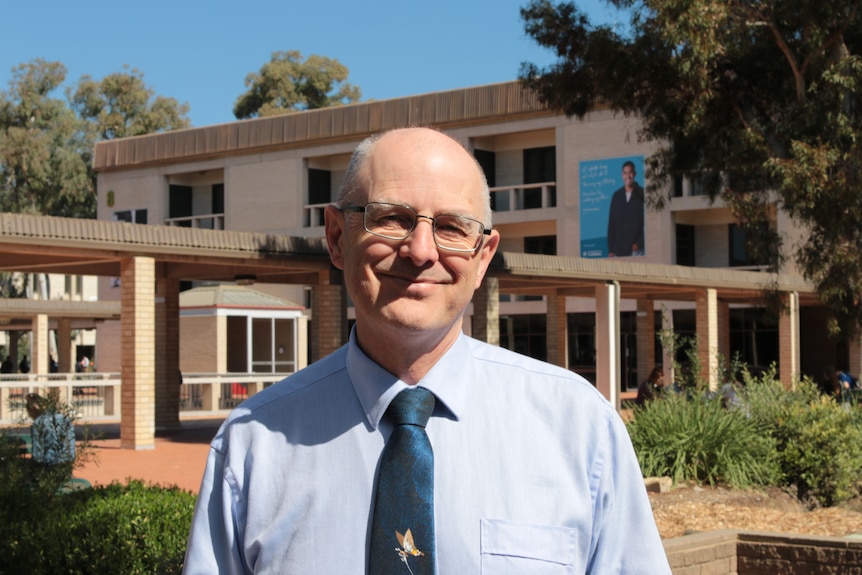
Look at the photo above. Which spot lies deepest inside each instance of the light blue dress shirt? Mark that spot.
(534, 472)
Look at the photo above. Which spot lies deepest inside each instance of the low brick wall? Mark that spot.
(731, 552)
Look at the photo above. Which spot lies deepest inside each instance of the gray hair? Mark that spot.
(352, 182)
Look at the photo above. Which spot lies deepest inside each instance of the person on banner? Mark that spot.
(626, 217)
(525, 465)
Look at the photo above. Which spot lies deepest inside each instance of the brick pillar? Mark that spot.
(486, 312)
(138, 369)
(167, 353)
(301, 358)
(558, 331)
(65, 360)
(788, 342)
(645, 337)
(39, 344)
(707, 335)
(329, 314)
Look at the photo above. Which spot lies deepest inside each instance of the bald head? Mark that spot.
(407, 146)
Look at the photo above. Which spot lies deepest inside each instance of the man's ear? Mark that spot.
(486, 254)
(333, 219)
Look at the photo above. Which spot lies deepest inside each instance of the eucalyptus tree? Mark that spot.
(759, 103)
(287, 83)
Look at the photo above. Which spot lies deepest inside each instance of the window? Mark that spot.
(545, 245)
(540, 165)
(319, 186)
(754, 337)
(131, 216)
(180, 204)
(525, 334)
(218, 198)
(685, 245)
(738, 252)
(677, 186)
(488, 162)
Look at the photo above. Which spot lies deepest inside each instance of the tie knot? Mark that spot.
(412, 406)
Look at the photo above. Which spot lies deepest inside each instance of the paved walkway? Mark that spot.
(178, 458)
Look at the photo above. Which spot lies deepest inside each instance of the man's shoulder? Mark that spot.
(302, 382)
(500, 358)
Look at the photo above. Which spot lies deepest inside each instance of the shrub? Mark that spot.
(129, 529)
(818, 441)
(697, 439)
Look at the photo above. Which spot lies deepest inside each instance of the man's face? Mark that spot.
(628, 177)
(409, 286)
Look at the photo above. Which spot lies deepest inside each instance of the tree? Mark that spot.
(757, 102)
(43, 147)
(46, 143)
(287, 84)
(122, 105)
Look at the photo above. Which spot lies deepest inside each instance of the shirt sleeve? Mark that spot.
(213, 545)
(625, 537)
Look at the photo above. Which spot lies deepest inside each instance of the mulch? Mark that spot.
(688, 509)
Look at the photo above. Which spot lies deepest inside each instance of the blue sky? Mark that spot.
(200, 52)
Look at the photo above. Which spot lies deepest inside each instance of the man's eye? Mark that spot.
(452, 229)
(393, 221)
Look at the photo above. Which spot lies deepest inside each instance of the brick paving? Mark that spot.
(178, 458)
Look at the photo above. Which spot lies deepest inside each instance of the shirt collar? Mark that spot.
(375, 387)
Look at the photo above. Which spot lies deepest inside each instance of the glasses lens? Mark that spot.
(395, 222)
(389, 220)
(457, 232)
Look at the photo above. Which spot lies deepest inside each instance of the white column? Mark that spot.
(608, 376)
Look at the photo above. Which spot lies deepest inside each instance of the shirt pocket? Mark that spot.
(512, 548)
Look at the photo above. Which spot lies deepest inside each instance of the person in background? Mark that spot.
(652, 387)
(52, 433)
(6, 366)
(532, 468)
(24, 365)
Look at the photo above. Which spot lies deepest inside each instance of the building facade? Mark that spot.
(553, 180)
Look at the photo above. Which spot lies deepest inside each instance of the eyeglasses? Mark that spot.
(396, 222)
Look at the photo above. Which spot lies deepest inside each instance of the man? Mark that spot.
(533, 469)
(626, 217)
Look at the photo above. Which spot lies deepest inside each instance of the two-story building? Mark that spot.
(552, 180)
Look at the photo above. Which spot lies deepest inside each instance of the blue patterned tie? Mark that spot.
(402, 531)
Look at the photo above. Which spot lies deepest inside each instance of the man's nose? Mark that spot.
(420, 244)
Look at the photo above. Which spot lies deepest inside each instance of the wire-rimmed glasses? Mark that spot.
(397, 222)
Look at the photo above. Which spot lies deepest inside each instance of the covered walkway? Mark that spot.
(152, 260)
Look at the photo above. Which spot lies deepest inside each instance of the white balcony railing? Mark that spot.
(204, 222)
(314, 215)
(524, 197)
(504, 199)
(96, 396)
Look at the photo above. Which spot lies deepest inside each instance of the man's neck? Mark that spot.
(408, 356)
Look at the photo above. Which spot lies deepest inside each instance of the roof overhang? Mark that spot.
(38, 244)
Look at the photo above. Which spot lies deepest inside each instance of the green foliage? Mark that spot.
(46, 143)
(287, 84)
(794, 438)
(757, 103)
(44, 153)
(130, 529)
(700, 440)
(122, 105)
(818, 441)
